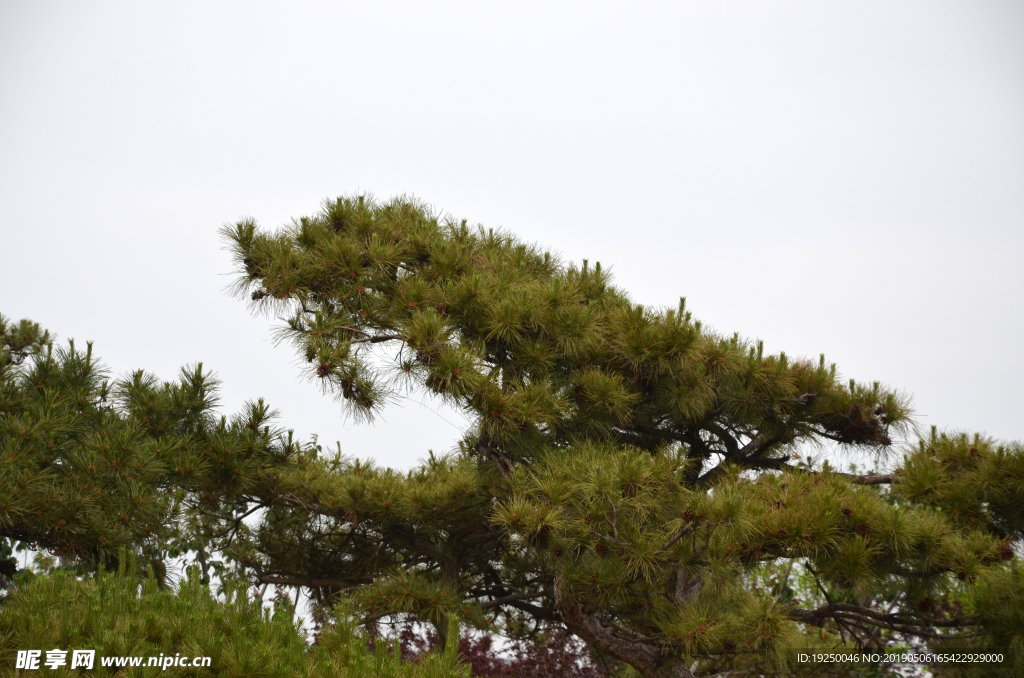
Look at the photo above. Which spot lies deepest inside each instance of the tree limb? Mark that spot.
(645, 657)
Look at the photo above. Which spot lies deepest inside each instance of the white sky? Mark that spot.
(841, 177)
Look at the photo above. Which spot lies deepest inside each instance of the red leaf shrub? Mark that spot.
(560, 655)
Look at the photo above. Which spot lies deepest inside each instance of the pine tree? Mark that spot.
(629, 474)
(90, 466)
(117, 475)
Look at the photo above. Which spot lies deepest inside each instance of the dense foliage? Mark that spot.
(629, 474)
(630, 477)
(115, 616)
(89, 467)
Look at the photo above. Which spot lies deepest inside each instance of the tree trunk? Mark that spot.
(617, 642)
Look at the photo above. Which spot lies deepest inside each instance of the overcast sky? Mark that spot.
(841, 177)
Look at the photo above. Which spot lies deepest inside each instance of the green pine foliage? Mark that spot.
(628, 473)
(75, 478)
(406, 536)
(538, 352)
(89, 467)
(114, 615)
(974, 481)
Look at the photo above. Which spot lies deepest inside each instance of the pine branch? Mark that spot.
(264, 577)
(870, 478)
(379, 338)
(615, 641)
(515, 597)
